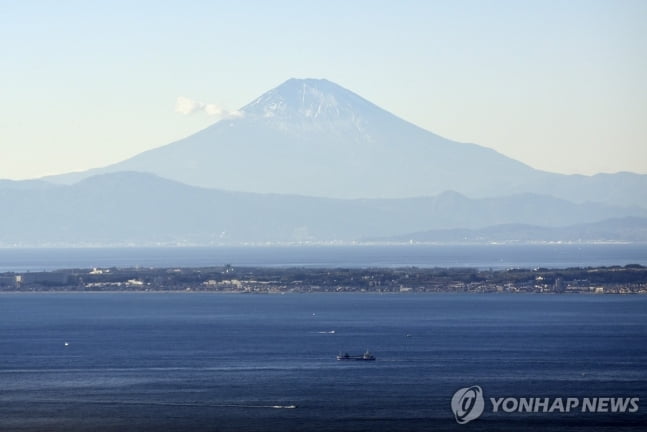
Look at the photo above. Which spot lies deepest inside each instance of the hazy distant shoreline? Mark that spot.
(314, 244)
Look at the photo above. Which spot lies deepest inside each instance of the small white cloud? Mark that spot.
(235, 114)
(212, 110)
(186, 106)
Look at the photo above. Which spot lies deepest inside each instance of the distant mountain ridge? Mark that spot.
(142, 209)
(314, 138)
(629, 230)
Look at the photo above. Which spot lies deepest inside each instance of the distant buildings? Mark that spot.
(599, 280)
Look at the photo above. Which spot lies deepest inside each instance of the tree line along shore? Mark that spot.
(629, 279)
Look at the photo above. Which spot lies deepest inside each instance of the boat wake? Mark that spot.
(156, 403)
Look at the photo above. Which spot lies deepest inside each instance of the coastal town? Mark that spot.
(629, 279)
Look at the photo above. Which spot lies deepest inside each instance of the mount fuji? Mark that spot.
(312, 137)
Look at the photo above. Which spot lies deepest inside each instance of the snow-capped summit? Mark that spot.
(308, 98)
(313, 104)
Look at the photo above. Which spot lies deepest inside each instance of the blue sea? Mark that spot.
(476, 256)
(236, 362)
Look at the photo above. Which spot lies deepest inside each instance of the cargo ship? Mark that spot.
(367, 356)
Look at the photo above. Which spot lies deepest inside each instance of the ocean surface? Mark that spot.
(477, 256)
(236, 362)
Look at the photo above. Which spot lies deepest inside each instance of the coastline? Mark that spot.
(628, 279)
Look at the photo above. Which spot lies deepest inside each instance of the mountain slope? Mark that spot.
(313, 137)
(143, 209)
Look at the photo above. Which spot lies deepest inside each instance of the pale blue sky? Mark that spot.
(559, 85)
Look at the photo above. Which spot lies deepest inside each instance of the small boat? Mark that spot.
(367, 356)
